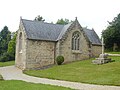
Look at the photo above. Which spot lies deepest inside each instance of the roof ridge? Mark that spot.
(43, 22)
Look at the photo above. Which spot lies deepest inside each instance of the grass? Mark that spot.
(83, 71)
(2, 64)
(1, 78)
(113, 52)
(21, 85)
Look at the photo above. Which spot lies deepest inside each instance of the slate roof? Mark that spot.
(42, 31)
(92, 36)
(39, 30)
(64, 29)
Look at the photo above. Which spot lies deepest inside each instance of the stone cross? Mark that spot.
(102, 57)
(102, 45)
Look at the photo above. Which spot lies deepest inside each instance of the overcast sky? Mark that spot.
(90, 13)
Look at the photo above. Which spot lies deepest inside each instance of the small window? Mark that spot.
(20, 43)
(76, 41)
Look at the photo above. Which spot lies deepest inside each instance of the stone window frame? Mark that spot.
(20, 42)
(76, 41)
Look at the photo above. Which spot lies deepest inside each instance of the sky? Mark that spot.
(91, 13)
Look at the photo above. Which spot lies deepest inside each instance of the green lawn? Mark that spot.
(21, 85)
(83, 71)
(1, 78)
(2, 64)
(113, 52)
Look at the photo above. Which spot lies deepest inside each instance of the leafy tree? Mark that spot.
(5, 37)
(63, 21)
(112, 34)
(11, 47)
(39, 18)
(10, 53)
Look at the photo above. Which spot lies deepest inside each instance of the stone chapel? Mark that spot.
(39, 43)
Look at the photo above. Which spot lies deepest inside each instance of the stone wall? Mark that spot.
(20, 56)
(96, 50)
(39, 53)
(64, 47)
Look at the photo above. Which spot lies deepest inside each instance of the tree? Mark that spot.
(112, 34)
(39, 18)
(63, 21)
(11, 47)
(10, 53)
(5, 37)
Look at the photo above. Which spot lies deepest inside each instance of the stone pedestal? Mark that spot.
(102, 59)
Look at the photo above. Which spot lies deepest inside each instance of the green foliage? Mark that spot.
(59, 60)
(63, 21)
(5, 37)
(7, 45)
(4, 57)
(22, 85)
(112, 34)
(39, 18)
(5, 33)
(83, 71)
(11, 47)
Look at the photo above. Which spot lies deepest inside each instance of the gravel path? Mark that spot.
(13, 73)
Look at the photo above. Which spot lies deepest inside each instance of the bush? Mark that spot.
(59, 60)
(6, 57)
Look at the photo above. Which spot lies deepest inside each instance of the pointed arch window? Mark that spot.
(20, 43)
(76, 41)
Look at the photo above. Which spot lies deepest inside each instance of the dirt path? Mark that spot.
(13, 73)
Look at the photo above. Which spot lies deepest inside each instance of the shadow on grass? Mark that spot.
(112, 61)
